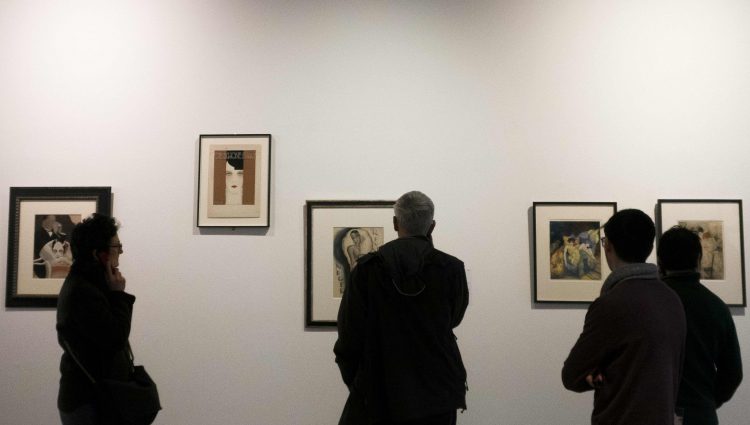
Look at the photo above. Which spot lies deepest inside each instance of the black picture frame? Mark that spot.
(327, 224)
(217, 208)
(551, 286)
(718, 216)
(23, 287)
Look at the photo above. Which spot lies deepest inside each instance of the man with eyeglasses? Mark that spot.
(631, 349)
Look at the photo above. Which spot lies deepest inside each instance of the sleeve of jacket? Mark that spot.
(589, 352)
(351, 321)
(460, 295)
(104, 317)
(728, 365)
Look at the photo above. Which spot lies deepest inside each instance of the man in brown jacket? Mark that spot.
(631, 349)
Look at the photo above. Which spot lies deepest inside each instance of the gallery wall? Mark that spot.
(485, 106)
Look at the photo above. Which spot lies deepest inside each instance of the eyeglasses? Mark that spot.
(118, 246)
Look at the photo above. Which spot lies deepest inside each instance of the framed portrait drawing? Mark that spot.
(337, 234)
(234, 180)
(41, 220)
(718, 223)
(569, 262)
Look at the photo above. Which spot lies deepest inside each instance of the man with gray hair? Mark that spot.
(396, 348)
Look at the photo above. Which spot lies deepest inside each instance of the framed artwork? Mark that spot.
(718, 223)
(234, 180)
(337, 234)
(569, 262)
(41, 220)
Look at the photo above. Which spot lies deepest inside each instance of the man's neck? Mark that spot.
(616, 263)
(413, 237)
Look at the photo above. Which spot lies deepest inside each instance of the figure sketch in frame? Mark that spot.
(52, 255)
(711, 233)
(234, 177)
(575, 252)
(349, 245)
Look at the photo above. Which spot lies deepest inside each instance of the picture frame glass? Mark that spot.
(570, 264)
(718, 223)
(234, 180)
(39, 251)
(338, 234)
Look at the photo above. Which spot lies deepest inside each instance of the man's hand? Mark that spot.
(115, 279)
(595, 379)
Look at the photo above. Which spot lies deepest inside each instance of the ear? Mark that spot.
(101, 256)
(395, 223)
(432, 227)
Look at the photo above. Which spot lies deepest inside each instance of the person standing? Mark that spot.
(396, 348)
(631, 349)
(713, 365)
(93, 320)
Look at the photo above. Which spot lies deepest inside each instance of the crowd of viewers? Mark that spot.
(657, 347)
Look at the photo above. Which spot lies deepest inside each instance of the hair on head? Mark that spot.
(414, 211)
(236, 159)
(679, 249)
(631, 232)
(92, 234)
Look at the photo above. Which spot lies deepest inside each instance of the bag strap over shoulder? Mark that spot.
(78, 362)
(131, 356)
(69, 350)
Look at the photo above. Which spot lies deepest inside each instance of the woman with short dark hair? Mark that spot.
(93, 320)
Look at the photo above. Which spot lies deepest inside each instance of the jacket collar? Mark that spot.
(627, 272)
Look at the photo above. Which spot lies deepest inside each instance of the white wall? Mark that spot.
(485, 106)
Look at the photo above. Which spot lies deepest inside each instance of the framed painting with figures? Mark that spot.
(718, 224)
(41, 220)
(234, 180)
(569, 263)
(338, 233)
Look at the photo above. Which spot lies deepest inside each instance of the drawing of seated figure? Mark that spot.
(574, 251)
(56, 257)
(575, 258)
(362, 244)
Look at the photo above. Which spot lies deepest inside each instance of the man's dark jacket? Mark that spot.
(713, 365)
(396, 348)
(634, 335)
(95, 322)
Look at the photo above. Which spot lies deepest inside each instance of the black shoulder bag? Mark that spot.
(131, 402)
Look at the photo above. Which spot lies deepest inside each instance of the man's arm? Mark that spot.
(460, 296)
(104, 318)
(585, 358)
(351, 326)
(728, 365)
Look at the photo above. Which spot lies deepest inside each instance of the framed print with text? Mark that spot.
(40, 223)
(569, 262)
(234, 180)
(718, 223)
(338, 233)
